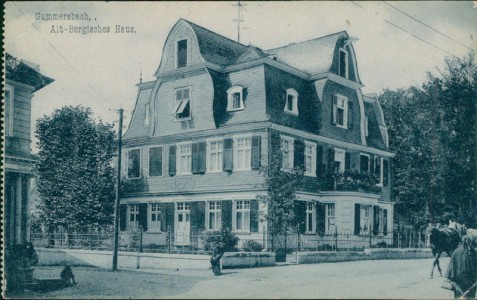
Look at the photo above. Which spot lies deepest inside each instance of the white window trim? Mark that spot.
(362, 218)
(235, 152)
(11, 90)
(234, 216)
(149, 159)
(313, 159)
(178, 158)
(345, 113)
(313, 218)
(176, 49)
(127, 162)
(342, 163)
(230, 99)
(175, 105)
(294, 93)
(366, 128)
(128, 223)
(347, 62)
(207, 214)
(149, 221)
(291, 158)
(369, 161)
(208, 153)
(328, 231)
(381, 167)
(146, 115)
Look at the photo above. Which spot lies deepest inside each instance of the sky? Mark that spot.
(398, 42)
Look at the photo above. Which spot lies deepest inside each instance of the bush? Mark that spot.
(223, 240)
(252, 246)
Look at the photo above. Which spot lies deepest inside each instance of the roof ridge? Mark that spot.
(313, 39)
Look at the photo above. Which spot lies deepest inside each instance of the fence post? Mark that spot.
(140, 239)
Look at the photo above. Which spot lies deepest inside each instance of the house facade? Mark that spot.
(22, 79)
(216, 112)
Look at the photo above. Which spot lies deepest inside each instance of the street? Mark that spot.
(359, 279)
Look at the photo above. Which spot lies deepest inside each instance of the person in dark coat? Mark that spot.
(462, 270)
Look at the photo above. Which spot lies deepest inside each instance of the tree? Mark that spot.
(75, 173)
(281, 195)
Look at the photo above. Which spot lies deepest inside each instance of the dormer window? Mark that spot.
(235, 98)
(182, 103)
(343, 63)
(181, 53)
(291, 105)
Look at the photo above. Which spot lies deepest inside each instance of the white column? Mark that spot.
(27, 209)
(18, 213)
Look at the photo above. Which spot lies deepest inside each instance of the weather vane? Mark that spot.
(240, 6)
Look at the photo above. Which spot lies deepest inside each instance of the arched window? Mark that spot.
(235, 98)
(291, 105)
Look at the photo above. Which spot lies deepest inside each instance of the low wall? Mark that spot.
(247, 259)
(53, 256)
(369, 254)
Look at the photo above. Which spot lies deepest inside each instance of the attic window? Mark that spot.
(343, 63)
(340, 111)
(291, 105)
(182, 53)
(182, 103)
(235, 98)
(146, 115)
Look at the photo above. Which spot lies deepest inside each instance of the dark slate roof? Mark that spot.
(136, 127)
(19, 71)
(374, 138)
(312, 56)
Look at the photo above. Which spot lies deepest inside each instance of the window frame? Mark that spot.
(217, 210)
(365, 219)
(344, 100)
(179, 159)
(381, 170)
(294, 94)
(176, 53)
(339, 152)
(157, 212)
(310, 213)
(244, 210)
(313, 159)
(11, 104)
(134, 212)
(146, 115)
(177, 104)
(248, 165)
(230, 99)
(346, 75)
(127, 162)
(219, 166)
(369, 162)
(291, 151)
(329, 217)
(149, 160)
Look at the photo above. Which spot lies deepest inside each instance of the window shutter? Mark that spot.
(385, 221)
(357, 219)
(371, 164)
(300, 215)
(254, 216)
(319, 161)
(274, 142)
(162, 209)
(331, 160)
(363, 163)
(320, 218)
(227, 214)
(299, 153)
(195, 158)
(334, 104)
(228, 155)
(143, 216)
(197, 216)
(170, 217)
(377, 168)
(172, 160)
(375, 220)
(347, 161)
(202, 157)
(350, 114)
(122, 217)
(256, 145)
(385, 172)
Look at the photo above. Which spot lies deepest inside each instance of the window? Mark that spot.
(364, 163)
(214, 215)
(182, 53)
(155, 161)
(366, 128)
(310, 159)
(364, 223)
(184, 159)
(134, 163)
(216, 152)
(310, 217)
(8, 110)
(146, 115)
(381, 220)
(330, 227)
(340, 111)
(343, 63)
(183, 206)
(243, 151)
(182, 103)
(133, 216)
(291, 105)
(242, 216)
(378, 170)
(235, 98)
(287, 152)
(155, 217)
(340, 155)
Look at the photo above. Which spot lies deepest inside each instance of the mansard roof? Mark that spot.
(24, 72)
(136, 127)
(373, 112)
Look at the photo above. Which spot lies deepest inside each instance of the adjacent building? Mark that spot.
(216, 112)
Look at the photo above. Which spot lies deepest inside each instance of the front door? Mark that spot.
(182, 235)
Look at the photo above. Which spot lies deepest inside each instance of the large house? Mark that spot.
(200, 132)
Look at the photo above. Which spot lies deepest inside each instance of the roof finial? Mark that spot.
(240, 6)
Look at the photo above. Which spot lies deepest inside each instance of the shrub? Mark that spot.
(252, 246)
(223, 240)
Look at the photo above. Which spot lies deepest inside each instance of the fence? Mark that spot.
(196, 243)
